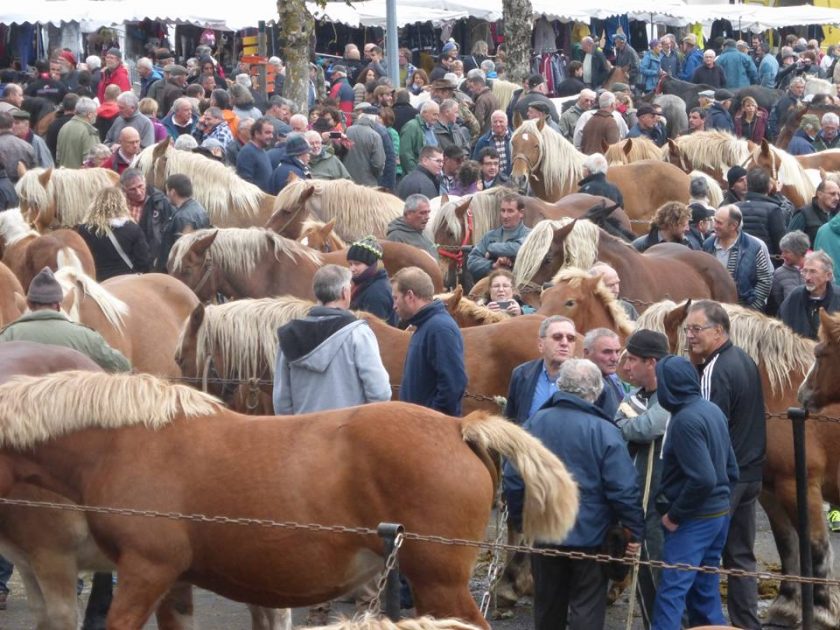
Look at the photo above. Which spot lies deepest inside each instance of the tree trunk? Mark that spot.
(297, 26)
(519, 22)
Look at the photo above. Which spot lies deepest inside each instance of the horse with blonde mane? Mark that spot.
(666, 269)
(357, 210)
(467, 313)
(797, 184)
(784, 361)
(12, 296)
(554, 167)
(54, 198)
(56, 437)
(712, 152)
(631, 150)
(230, 201)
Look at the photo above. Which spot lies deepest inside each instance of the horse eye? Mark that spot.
(569, 303)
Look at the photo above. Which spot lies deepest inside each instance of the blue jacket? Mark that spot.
(156, 75)
(175, 131)
(592, 449)
(523, 383)
(498, 243)
(434, 375)
(828, 239)
(800, 144)
(698, 463)
(739, 69)
(649, 69)
(670, 63)
(253, 165)
(374, 295)
(746, 274)
(656, 133)
(718, 118)
(487, 141)
(692, 61)
(768, 68)
(280, 176)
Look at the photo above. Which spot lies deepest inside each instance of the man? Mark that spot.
(692, 59)
(128, 149)
(68, 110)
(737, 67)
(601, 128)
(823, 207)
(148, 75)
(187, 215)
(626, 57)
(12, 97)
(365, 159)
(785, 105)
(341, 90)
(539, 111)
(670, 225)
(409, 227)
(447, 131)
(717, 115)
(489, 162)
(447, 56)
(595, 181)
(571, 592)
(130, 116)
(278, 112)
(603, 347)
(794, 245)
(572, 84)
(585, 117)
(761, 213)
(696, 120)
(745, 257)
(13, 150)
(701, 212)
(445, 88)
(485, 101)
(709, 73)
(328, 359)
(298, 123)
(21, 128)
(568, 121)
(801, 309)
(643, 421)
(294, 161)
(252, 163)
(212, 124)
(434, 375)
(533, 383)
(498, 248)
(669, 58)
(78, 136)
(45, 323)
(425, 178)
(453, 158)
(8, 196)
(174, 87)
(596, 68)
(736, 178)
(730, 379)
(768, 66)
(148, 207)
(537, 91)
(48, 83)
(241, 138)
(647, 124)
(698, 468)
(499, 138)
(613, 283)
(182, 120)
(322, 163)
(115, 73)
(418, 133)
(828, 138)
(802, 142)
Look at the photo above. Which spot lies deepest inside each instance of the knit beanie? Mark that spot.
(734, 174)
(44, 288)
(368, 251)
(648, 344)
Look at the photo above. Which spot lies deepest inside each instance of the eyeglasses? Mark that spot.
(694, 330)
(570, 337)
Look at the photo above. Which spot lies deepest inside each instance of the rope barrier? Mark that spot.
(413, 536)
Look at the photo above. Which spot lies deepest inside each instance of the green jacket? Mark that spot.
(828, 239)
(412, 141)
(75, 139)
(326, 166)
(55, 329)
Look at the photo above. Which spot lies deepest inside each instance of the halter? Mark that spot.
(458, 256)
(208, 271)
(658, 88)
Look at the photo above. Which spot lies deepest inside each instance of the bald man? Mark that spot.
(129, 147)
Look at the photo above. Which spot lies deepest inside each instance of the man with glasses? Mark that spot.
(730, 379)
(425, 179)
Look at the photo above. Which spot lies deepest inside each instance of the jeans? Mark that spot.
(6, 569)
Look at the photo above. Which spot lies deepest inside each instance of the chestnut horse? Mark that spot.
(467, 313)
(57, 438)
(665, 270)
(783, 359)
(630, 150)
(12, 296)
(139, 315)
(797, 185)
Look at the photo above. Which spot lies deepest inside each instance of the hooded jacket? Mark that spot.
(327, 360)
(801, 313)
(401, 232)
(373, 294)
(828, 239)
(698, 462)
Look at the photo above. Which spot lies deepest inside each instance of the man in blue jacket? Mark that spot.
(698, 469)
(573, 592)
(434, 374)
(738, 68)
(693, 57)
(498, 248)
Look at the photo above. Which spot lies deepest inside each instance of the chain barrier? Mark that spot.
(375, 606)
(497, 566)
(427, 538)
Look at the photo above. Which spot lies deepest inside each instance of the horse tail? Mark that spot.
(66, 257)
(368, 622)
(551, 494)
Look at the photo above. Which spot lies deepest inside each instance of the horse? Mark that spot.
(139, 315)
(51, 198)
(357, 210)
(321, 236)
(712, 152)
(688, 92)
(794, 118)
(675, 113)
(631, 150)
(467, 313)
(12, 296)
(554, 168)
(797, 185)
(57, 437)
(230, 201)
(666, 269)
(784, 362)
(618, 74)
(828, 160)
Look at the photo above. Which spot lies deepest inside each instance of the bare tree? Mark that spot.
(298, 28)
(519, 22)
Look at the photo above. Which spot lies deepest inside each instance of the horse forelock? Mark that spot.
(313, 225)
(13, 227)
(473, 310)
(791, 173)
(443, 215)
(580, 248)
(653, 318)
(713, 149)
(561, 165)
(30, 190)
(641, 149)
(574, 276)
(37, 409)
(74, 281)
(485, 207)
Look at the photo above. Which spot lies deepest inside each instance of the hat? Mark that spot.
(19, 114)
(540, 106)
(788, 55)
(116, 52)
(68, 57)
(535, 79)
(620, 36)
(707, 93)
(620, 87)
(734, 174)
(212, 143)
(368, 251)
(443, 84)
(339, 70)
(653, 43)
(723, 95)
(699, 212)
(448, 47)
(648, 344)
(366, 108)
(645, 109)
(176, 71)
(691, 38)
(809, 120)
(44, 288)
(296, 144)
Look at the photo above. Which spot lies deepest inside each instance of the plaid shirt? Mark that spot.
(220, 132)
(500, 144)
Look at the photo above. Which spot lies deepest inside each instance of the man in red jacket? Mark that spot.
(115, 73)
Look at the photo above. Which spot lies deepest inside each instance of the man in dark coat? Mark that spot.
(595, 182)
(762, 214)
(295, 160)
(425, 179)
(811, 217)
(709, 73)
(718, 116)
(8, 196)
(149, 207)
(603, 347)
(596, 68)
(187, 215)
(801, 309)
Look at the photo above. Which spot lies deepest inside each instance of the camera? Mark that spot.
(335, 134)
(503, 304)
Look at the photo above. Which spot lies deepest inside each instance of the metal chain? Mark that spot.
(497, 566)
(375, 606)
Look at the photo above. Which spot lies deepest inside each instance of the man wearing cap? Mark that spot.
(596, 68)
(701, 212)
(418, 133)
(717, 115)
(709, 73)
(736, 179)
(643, 421)
(173, 88)
(738, 68)
(45, 323)
(498, 248)
(295, 160)
(22, 129)
(446, 88)
(485, 101)
(115, 73)
(538, 111)
(802, 142)
(536, 92)
(626, 57)
(341, 90)
(570, 118)
(692, 57)
(13, 150)
(448, 54)
(371, 288)
(647, 124)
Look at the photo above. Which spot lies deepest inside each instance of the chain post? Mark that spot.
(797, 418)
(389, 581)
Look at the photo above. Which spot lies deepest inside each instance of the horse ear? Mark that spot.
(44, 178)
(628, 146)
(21, 169)
(201, 245)
(461, 209)
(829, 327)
(292, 178)
(444, 198)
(328, 227)
(675, 317)
(560, 234)
(765, 147)
(604, 145)
(540, 123)
(308, 191)
(160, 148)
(673, 149)
(197, 317)
(823, 176)
(458, 294)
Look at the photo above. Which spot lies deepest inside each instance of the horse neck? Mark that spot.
(792, 193)
(617, 255)
(540, 191)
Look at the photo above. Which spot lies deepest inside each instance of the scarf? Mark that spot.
(360, 282)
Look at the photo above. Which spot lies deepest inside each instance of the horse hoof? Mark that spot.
(784, 612)
(502, 613)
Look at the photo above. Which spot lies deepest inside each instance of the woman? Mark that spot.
(206, 67)
(371, 288)
(650, 67)
(419, 80)
(501, 294)
(360, 89)
(243, 103)
(149, 108)
(117, 243)
(751, 121)
(386, 115)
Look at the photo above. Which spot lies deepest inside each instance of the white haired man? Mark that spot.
(595, 179)
(801, 309)
(568, 121)
(130, 116)
(78, 136)
(828, 138)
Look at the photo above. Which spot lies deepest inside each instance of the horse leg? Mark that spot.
(142, 585)
(826, 598)
(270, 618)
(516, 579)
(786, 608)
(445, 600)
(35, 599)
(175, 611)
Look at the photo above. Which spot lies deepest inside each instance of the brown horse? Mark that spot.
(666, 269)
(139, 315)
(467, 313)
(12, 296)
(783, 358)
(631, 150)
(797, 184)
(57, 437)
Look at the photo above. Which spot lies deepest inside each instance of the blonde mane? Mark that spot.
(765, 339)
(73, 190)
(357, 210)
(474, 310)
(238, 250)
(713, 150)
(791, 173)
(485, 210)
(580, 248)
(74, 281)
(503, 90)
(244, 334)
(443, 212)
(715, 191)
(560, 164)
(574, 276)
(370, 622)
(40, 408)
(641, 148)
(313, 225)
(13, 227)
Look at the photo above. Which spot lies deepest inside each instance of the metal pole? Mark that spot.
(391, 43)
(261, 51)
(798, 417)
(388, 533)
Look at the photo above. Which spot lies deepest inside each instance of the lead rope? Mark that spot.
(645, 499)
(205, 374)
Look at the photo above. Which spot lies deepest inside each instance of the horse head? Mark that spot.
(37, 198)
(672, 322)
(157, 173)
(321, 237)
(527, 152)
(290, 211)
(791, 124)
(820, 385)
(672, 154)
(186, 354)
(554, 257)
(577, 301)
(196, 269)
(451, 303)
(762, 155)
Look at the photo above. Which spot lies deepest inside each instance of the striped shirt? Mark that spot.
(500, 142)
(763, 269)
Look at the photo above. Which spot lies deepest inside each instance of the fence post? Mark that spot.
(391, 606)
(798, 417)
